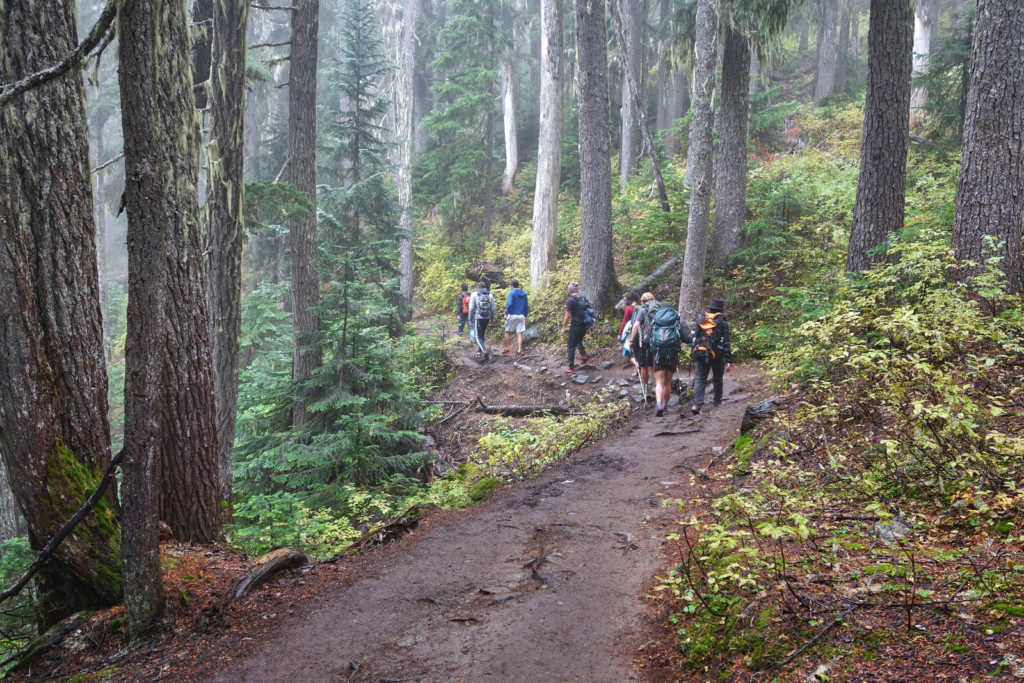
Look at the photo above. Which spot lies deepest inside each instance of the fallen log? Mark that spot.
(494, 273)
(46, 642)
(264, 569)
(758, 412)
(521, 411)
(643, 284)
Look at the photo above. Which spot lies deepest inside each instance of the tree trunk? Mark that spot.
(731, 173)
(883, 160)
(634, 19)
(678, 104)
(923, 23)
(405, 135)
(227, 230)
(990, 193)
(54, 434)
(307, 356)
(100, 216)
(509, 117)
(167, 318)
(420, 86)
(825, 75)
(8, 507)
(489, 174)
(691, 288)
(662, 123)
(805, 30)
(854, 33)
(549, 146)
(755, 72)
(843, 46)
(201, 34)
(597, 272)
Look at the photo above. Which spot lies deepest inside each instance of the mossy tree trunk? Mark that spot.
(54, 434)
(170, 467)
(224, 206)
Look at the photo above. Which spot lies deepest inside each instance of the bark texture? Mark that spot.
(308, 355)
(54, 435)
(549, 146)
(731, 169)
(673, 91)
(990, 192)
(508, 108)
(227, 231)
(597, 274)
(158, 120)
(691, 288)
(634, 49)
(825, 75)
(881, 185)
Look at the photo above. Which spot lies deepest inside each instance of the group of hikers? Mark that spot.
(477, 310)
(652, 335)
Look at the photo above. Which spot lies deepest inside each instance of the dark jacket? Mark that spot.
(720, 342)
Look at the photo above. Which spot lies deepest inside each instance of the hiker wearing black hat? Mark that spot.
(712, 351)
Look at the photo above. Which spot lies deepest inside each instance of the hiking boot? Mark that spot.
(695, 410)
(658, 410)
(504, 352)
(519, 353)
(584, 358)
(569, 371)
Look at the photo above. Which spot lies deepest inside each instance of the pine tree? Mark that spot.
(456, 172)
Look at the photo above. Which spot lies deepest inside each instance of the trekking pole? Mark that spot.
(643, 384)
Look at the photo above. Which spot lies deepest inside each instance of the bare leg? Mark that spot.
(519, 342)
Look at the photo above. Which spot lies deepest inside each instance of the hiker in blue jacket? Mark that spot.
(516, 309)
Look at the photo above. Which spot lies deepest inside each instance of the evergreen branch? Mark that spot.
(96, 34)
(64, 531)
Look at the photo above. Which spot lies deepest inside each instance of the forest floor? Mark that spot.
(544, 580)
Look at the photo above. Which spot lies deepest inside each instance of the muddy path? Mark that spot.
(543, 581)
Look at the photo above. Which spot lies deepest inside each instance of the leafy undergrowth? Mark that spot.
(875, 526)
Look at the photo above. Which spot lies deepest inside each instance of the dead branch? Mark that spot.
(643, 284)
(96, 33)
(46, 642)
(835, 622)
(666, 432)
(108, 162)
(259, 45)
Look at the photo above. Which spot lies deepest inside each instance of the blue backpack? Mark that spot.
(665, 340)
(589, 316)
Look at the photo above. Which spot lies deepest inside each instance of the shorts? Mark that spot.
(641, 355)
(671, 363)
(515, 323)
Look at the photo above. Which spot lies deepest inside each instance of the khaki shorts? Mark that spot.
(515, 323)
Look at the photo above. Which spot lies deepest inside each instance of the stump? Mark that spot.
(759, 412)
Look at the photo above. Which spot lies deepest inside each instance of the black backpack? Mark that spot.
(587, 315)
(484, 305)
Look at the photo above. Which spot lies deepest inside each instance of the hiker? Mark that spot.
(626, 328)
(665, 341)
(638, 336)
(712, 351)
(462, 308)
(481, 313)
(517, 307)
(579, 318)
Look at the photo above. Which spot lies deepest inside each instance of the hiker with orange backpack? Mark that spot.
(462, 308)
(712, 352)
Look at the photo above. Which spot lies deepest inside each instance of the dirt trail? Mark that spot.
(457, 599)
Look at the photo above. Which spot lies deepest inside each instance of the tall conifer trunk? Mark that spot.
(227, 231)
(549, 146)
(990, 193)
(691, 287)
(597, 273)
(54, 434)
(731, 165)
(508, 108)
(634, 20)
(825, 74)
(881, 185)
(308, 356)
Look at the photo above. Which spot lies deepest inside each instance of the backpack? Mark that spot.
(705, 339)
(664, 334)
(464, 303)
(588, 317)
(484, 305)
